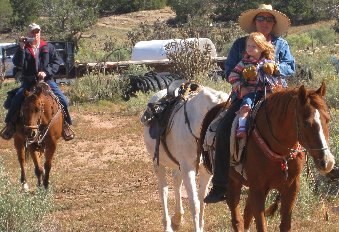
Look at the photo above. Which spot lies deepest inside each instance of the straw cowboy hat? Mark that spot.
(282, 22)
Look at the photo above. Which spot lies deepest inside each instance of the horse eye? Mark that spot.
(307, 124)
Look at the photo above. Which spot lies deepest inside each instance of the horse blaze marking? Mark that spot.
(321, 132)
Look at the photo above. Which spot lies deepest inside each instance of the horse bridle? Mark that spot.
(299, 135)
(38, 138)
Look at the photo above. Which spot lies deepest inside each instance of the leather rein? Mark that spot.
(293, 152)
(39, 138)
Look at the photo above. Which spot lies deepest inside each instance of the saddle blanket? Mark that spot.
(236, 145)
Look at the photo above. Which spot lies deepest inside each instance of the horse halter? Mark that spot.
(298, 134)
(41, 133)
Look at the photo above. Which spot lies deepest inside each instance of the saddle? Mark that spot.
(158, 115)
(237, 145)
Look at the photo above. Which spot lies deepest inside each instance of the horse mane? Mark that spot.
(282, 98)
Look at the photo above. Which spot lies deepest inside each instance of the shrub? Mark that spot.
(299, 41)
(107, 50)
(126, 6)
(188, 59)
(97, 86)
(94, 87)
(22, 212)
(193, 8)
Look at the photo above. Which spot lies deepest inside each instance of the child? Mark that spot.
(255, 72)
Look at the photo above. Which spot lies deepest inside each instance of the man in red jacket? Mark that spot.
(38, 61)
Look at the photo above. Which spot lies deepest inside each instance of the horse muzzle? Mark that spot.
(325, 163)
(32, 133)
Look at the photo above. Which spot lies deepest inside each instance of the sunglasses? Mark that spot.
(261, 18)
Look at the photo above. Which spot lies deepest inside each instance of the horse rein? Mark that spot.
(299, 135)
(38, 138)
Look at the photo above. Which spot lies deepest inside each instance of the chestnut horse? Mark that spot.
(181, 140)
(38, 128)
(284, 120)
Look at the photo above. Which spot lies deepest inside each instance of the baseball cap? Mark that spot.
(33, 26)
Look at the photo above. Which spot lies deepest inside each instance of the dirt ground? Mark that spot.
(103, 181)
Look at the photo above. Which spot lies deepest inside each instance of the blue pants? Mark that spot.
(19, 98)
(248, 99)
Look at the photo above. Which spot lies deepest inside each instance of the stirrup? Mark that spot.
(67, 132)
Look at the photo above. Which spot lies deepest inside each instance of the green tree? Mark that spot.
(25, 12)
(228, 10)
(192, 8)
(6, 12)
(126, 6)
(67, 20)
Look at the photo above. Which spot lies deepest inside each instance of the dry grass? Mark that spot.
(103, 181)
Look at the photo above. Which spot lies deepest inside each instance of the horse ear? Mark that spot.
(302, 94)
(38, 90)
(322, 90)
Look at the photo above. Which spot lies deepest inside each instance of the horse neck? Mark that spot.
(50, 106)
(277, 121)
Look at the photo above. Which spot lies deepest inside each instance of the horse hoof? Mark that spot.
(176, 221)
(25, 187)
(175, 225)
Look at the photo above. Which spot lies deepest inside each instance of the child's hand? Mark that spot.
(270, 68)
(250, 73)
(243, 91)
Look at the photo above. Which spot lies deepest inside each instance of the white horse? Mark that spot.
(182, 144)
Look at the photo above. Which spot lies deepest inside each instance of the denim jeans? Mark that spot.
(62, 98)
(19, 98)
(222, 150)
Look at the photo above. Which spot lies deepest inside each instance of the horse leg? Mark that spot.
(233, 199)
(179, 210)
(49, 152)
(257, 199)
(20, 148)
(204, 181)
(288, 199)
(191, 188)
(248, 215)
(38, 169)
(160, 172)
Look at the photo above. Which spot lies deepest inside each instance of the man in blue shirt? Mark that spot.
(272, 24)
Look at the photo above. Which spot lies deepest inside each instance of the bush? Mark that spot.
(108, 50)
(126, 6)
(22, 212)
(188, 59)
(301, 41)
(190, 8)
(94, 87)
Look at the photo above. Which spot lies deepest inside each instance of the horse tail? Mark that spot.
(270, 211)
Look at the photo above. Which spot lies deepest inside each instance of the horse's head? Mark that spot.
(312, 120)
(32, 111)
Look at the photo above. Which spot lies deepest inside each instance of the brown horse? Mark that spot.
(273, 158)
(38, 128)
